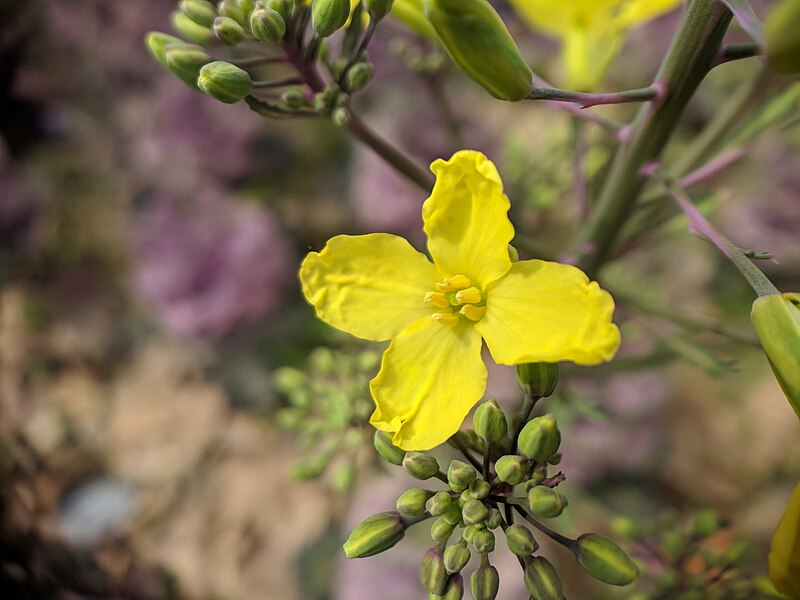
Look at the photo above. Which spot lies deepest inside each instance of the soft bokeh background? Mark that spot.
(149, 241)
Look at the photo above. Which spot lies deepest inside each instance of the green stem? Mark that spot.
(522, 418)
(686, 64)
(554, 535)
(465, 451)
(588, 100)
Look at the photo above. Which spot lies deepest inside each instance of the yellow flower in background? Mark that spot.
(591, 31)
(377, 287)
(784, 553)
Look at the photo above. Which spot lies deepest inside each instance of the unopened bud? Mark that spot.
(439, 503)
(228, 31)
(495, 519)
(460, 475)
(484, 583)
(432, 572)
(420, 465)
(267, 25)
(157, 44)
(604, 560)
(521, 541)
(374, 535)
(185, 61)
(468, 438)
(201, 12)
(546, 502)
(513, 253)
(387, 450)
(411, 503)
(378, 9)
(511, 469)
(784, 552)
(626, 527)
(233, 10)
(782, 31)
(453, 514)
(454, 590)
(294, 98)
(284, 7)
(537, 380)
(456, 557)
(776, 319)
(474, 512)
(340, 116)
(479, 489)
(469, 533)
(441, 529)
(477, 40)
(542, 580)
(490, 422)
(540, 438)
(188, 29)
(358, 76)
(483, 541)
(225, 82)
(328, 16)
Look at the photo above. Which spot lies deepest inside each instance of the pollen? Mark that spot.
(437, 299)
(473, 313)
(445, 318)
(456, 282)
(471, 295)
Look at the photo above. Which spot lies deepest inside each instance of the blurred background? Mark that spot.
(174, 422)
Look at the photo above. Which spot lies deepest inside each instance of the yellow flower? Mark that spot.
(377, 287)
(784, 554)
(591, 31)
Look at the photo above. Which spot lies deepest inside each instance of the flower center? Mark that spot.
(456, 297)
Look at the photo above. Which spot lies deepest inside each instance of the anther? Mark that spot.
(445, 318)
(437, 299)
(471, 295)
(473, 313)
(456, 282)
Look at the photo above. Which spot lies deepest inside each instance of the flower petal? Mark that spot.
(431, 376)
(371, 286)
(548, 312)
(465, 219)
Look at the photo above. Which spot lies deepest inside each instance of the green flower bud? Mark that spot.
(460, 475)
(294, 98)
(267, 25)
(540, 438)
(328, 16)
(477, 40)
(438, 504)
(546, 502)
(247, 6)
(411, 503)
(420, 465)
(387, 450)
(225, 82)
(191, 30)
(495, 519)
(432, 572)
(782, 30)
(185, 61)
(521, 541)
(511, 469)
(474, 512)
(201, 12)
(479, 489)
(358, 76)
(490, 421)
(470, 439)
(542, 580)
(228, 31)
(537, 380)
(784, 552)
(627, 528)
(441, 529)
(454, 591)
(232, 10)
(157, 44)
(776, 319)
(604, 560)
(483, 541)
(375, 535)
(378, 9)
(456, 557)
(469, 533)
(284, 7)
(484, 583)
(340, 116)
(453, 514)
(513, 253)
(706, 523)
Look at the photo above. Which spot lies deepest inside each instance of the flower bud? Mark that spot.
(776, 319)
(470, 439)
(456, 557)
(233, 10)
(441, 529)
(474, 512)
(295, 99)
(537, 380)
(511, 469)
(387, 450)
(542, 580)
(453, 514)
(190, 30)
(247, 6)
(420, 465)
(626, 527)
(327, 16)
(483, 541)
(477, 40)
(378, 9)
(411, 503)
(185, 61)
(782, 31)
(439, 503)
(469, 533)
(432, 572)
(490, 422)
(484, 583)
(521, 541)
(479, 489)
(358, 76)
(540, 438)
(495, 519)
(284, 7)
(374, 535)
(454, 591)
(340, 116)
(225, 82)
(784, 552)
(604, 560)
(228, 31)
(267, 25)
(201, 12)
(460, 475)
(546, 502)
(157, 44)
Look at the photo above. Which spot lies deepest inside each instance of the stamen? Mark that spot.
(445, 318)
(473, 313)
(456, 282)
(437, 299)
(471, 295)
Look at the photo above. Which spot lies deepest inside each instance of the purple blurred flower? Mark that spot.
(208, 267)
